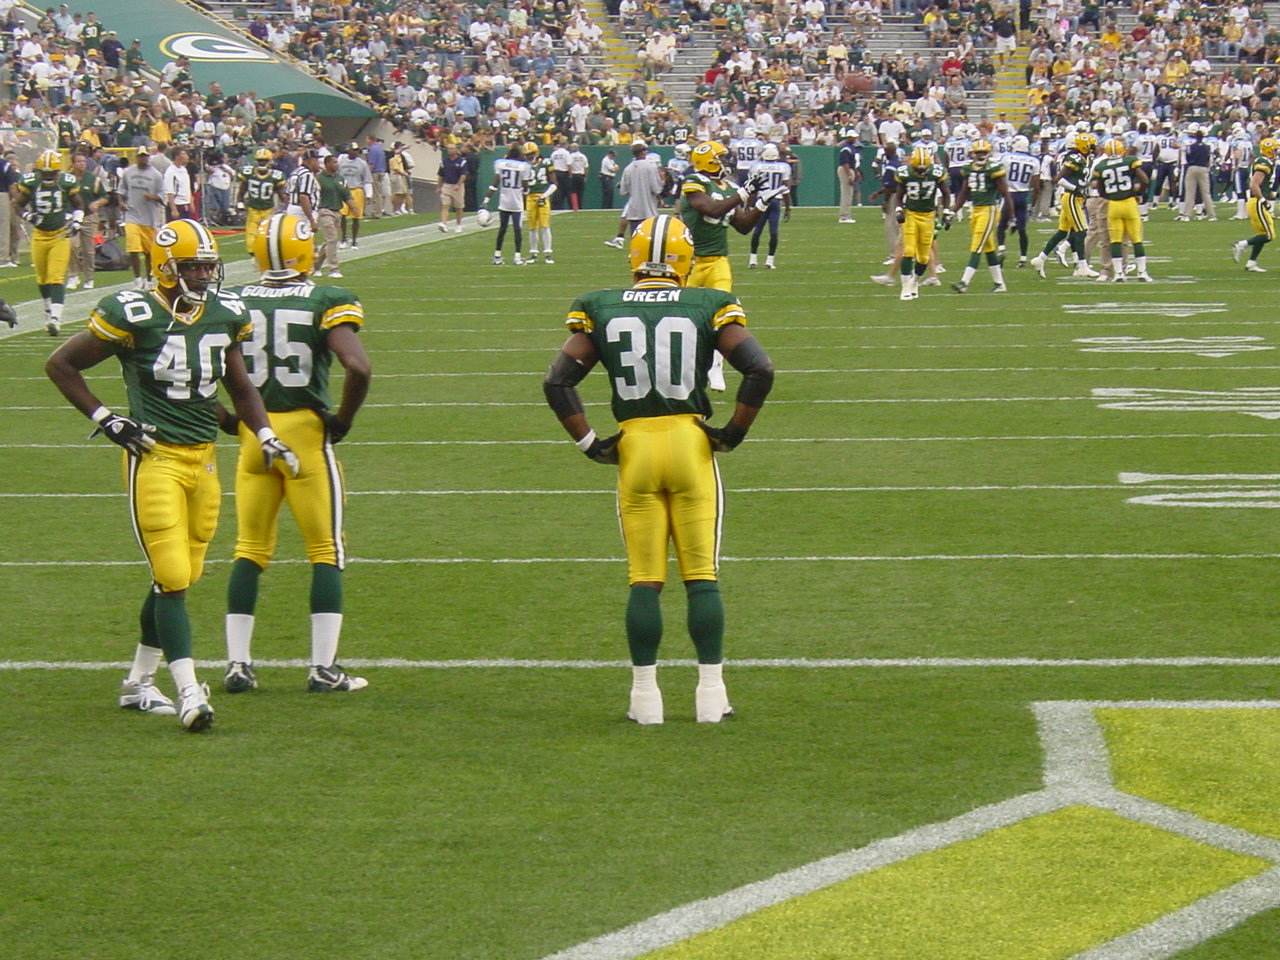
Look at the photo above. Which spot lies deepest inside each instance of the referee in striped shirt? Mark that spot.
(303, 190)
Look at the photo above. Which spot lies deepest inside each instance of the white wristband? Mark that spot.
(265, 434)
(585, 443)
(100, 414)
(744, 194)
(762, 204)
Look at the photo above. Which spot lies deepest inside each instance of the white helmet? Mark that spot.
(682, 151)
(1193, 128)
(770, 152)
(1003, 129)
(1021, 144)
(1082, 126)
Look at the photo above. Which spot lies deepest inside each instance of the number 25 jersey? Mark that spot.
(656, 340)
(171, 368)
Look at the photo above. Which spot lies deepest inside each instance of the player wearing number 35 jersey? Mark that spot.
(655, 341)
(299, 328)
(174, 346)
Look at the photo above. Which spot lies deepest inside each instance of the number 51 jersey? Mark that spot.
(171, 368)
(656, 341)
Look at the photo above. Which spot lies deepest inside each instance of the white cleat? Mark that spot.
(930, 282)
(497, 260)
(88, 285)
(1085, 271)
(193, 707)
(1252, 267)
(1146, 278)
(883, 279)
(53, 327)
(908, 293)
(335, 274)
(144, 696)
(1237, 249)
(646, 707)
(73, 283)
(1118, 278)
(1037, 262)
(711, 703)
(769, 264)
(1062, 255)
(751, 262)
(546, 258)
(616, 243)
(999, 288)
(519, 262)
(1103, 276)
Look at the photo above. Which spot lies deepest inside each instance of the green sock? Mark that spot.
(1117, 251)
(1256, 244)
(908, 266)
(644, 625)
(58, 292)
(1057, 238)
(1139, 249)
(147, 620)
(173, 626)
(706, 619)
(326, 588)
(242, 586)
(975, 258)
(921, 267)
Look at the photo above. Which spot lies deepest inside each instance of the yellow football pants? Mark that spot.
(668, 491)
(174, 497)
(917, 235)
(50, 255)
(536, 215)
(1261, 218)
(254, 218)
(711, 272)
(316, 496)
(1124, 221)
(1071, 218)
(982, 230)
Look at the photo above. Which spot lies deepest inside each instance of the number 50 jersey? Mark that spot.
(172, 367)
(656, 342)
(288, 357)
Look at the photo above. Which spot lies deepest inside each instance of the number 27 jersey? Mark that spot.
(656, 341)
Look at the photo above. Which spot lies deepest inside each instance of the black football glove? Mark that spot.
(723, 439)
(130, 434)
(337, 429)
(758, 181)
(273, 449)
(604, 451)
(8, 314)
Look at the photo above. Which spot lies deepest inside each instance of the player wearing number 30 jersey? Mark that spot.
(298, 329)
(174, 346)
(655, 341)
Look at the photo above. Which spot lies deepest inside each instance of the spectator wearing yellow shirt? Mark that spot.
(1176, 68)
(160, 132)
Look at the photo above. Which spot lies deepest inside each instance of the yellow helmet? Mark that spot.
(1114, 147)
(178, 244)
(708, 158)
(1085, 142)
(48, 164)
(980, 148)
(1269, 148)
(530, 148)
(921, 157)
(262, 156)
(662, 247)
(284, 247)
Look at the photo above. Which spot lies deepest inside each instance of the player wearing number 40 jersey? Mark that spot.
(655, 341)
(174, 346)
(299, 328)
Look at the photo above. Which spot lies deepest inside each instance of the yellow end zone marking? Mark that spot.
(1079, 870)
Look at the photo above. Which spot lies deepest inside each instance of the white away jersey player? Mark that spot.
(514, 176)
(957, 151)
(1019, 168)
(778, 172)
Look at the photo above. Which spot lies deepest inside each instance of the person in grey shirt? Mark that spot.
(355, 174)
(642, 182)
(141, 193)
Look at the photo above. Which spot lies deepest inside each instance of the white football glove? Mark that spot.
(273, 449)
(133, 436)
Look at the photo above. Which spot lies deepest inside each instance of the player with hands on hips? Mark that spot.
(175, 345)
(655, 340)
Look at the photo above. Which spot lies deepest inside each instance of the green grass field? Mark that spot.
(933, 480)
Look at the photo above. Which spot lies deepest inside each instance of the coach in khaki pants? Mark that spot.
(333, 194)
(93, 194)
(8, 249)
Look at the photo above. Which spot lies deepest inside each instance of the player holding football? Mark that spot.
(1262, 191)
(709, 203)
(299, 328)
(1120, 180)
(922, 191)
(656, 340)
(174, 346)
(984, 185)
(49, 200)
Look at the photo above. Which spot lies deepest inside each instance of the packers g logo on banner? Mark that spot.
(210, 48)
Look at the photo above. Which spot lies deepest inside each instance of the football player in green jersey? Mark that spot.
(299, 328)
(985, 186)
(656, 340)
(1120, 180)
(1073, 178)
(1262, 191)
(49, 200)
(921, 193)
(710, 202)
(174, 346)
(537, 204)
(261, 191)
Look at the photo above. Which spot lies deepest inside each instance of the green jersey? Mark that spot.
(172, 367)
(656, 341)
(50, 200)
(983, 178)
(920, 187)
(288, 355)
(1267, 168)
(1117, 177)
(541, 181)
(1075, 176)
(261, 187)
(710, 234)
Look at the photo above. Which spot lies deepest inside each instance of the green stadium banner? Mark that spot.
(170, 29)
(818, 184)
